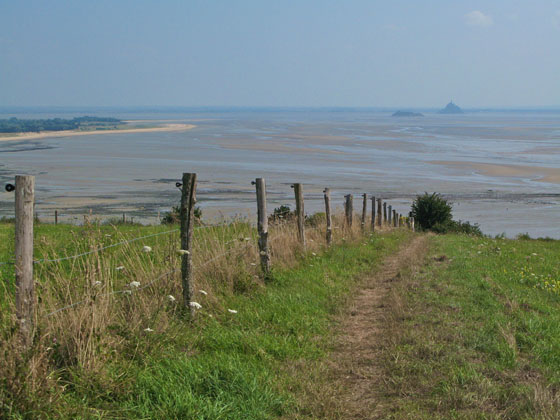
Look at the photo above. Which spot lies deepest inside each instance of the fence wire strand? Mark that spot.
(73, 257)
(115, 292)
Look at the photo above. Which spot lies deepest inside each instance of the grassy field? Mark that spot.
(134, 355)
(473, 334)
(476, 333)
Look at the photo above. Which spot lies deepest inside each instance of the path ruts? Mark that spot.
(355, 369)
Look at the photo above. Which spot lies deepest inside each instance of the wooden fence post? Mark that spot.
(395, 220)
(389, 213)
(384, 213)
(262, 225)
(188, 199)
(300, 212)
(372, 213)
(379, 216)
(327, 192)
(124, 218)
(412, 223)
(349, 209)
(25, 293)
(56, 217)
(364, 211)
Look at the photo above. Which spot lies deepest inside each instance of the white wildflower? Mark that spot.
(107, 235)
(146, 249)
(120, 267)
(127, 292)
(263, 253)
(232, 311)
(171, 298)
(204, 292)
(253, 264)
(183, 252)
(148, 329)
(534, 253)
(134, 284)
(313, 254)
(195, 305)
(247, 239)
(96, 283)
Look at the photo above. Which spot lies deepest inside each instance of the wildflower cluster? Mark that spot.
(526, 275)
(549, 283)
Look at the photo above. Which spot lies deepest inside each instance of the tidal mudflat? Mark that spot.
(501, 170)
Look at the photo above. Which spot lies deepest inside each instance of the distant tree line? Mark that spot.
(15, 125)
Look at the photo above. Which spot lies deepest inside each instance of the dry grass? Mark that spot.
(105, 315)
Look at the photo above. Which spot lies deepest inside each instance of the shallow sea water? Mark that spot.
(351, 151)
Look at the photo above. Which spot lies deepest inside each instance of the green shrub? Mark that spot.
(173, 217)
(453, 226)
(430, 210)
(315, 219)
(281, 213)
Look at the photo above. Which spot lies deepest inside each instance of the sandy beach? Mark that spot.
(71, 133)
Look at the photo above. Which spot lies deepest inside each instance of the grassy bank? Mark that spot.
(133, 355)
(476, 333)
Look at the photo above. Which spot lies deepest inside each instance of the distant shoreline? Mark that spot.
(72, 133)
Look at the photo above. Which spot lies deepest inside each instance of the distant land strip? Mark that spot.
(69, 133)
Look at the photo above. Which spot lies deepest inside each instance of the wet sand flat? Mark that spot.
(536, 173)
(493, 174)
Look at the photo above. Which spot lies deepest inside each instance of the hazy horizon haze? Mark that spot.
(359, 53)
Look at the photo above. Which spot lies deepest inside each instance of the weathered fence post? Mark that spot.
(379, 219)
(384, 213)
(389, 212)
(298, 191)
(327, 192)
(349, 209)
(372, 213)
(395, 219)
(188, 199)
(262, 224)
(56, 217)
(364, 211)
(412, 223)
(124, 218)
(25, 293)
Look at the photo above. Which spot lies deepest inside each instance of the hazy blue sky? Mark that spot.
(280, 53)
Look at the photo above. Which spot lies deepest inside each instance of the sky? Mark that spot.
(499, 53)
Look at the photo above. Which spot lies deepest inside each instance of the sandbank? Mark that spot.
(71, 133)
(535, 173)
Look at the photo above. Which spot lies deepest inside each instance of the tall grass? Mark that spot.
(97, 311)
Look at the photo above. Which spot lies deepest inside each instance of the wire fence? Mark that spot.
(128, 241)
(125, 242)
(66, 290)
(133, 289)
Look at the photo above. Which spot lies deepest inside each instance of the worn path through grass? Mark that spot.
(354, 372)
(451, 327)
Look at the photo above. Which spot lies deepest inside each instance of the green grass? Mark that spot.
(479, 337)
(224, 365)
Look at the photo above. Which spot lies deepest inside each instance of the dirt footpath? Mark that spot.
(355, 369)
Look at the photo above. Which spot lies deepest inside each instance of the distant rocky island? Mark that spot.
(407, 114)
(451, 108)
